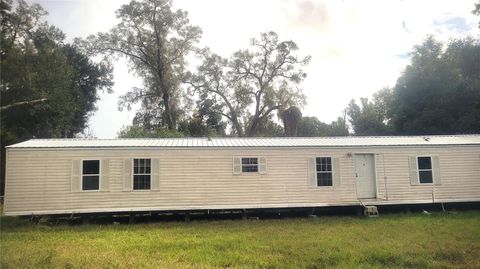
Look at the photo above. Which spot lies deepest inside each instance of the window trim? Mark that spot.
(99, 175)
(431, 169)
(324, 172)
(250, 165)
(133, 174)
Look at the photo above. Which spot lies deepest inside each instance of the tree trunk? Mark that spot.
(168, 113)
(237, 126)
(252, 130)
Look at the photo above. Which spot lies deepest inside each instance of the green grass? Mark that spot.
(390, 241)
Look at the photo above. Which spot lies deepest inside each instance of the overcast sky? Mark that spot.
(357, 47)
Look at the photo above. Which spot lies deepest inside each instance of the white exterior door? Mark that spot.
(365, 175)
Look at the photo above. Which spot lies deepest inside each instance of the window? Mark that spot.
(425, 173)
(324, 171)
(90, 175)
(249, 165)
(141, 174)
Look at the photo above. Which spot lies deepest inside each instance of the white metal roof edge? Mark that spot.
(353, 147)
(257, 142)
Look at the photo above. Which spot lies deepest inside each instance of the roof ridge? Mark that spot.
(248, 138)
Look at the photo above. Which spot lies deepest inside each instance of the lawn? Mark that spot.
(411, 240)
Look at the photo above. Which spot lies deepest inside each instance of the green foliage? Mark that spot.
(390, 241)
(204, 122)
(267, 128)
(372, 118)
(339, 127)
(133, 131)
(155, 39)
(311, 127)
(48, 88)
(439, 92)
(253, 83)
(195, 126)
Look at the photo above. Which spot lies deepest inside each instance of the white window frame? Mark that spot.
(324, 172)
(250, 165)
(133, 174)
(431, 169)
(99, 177)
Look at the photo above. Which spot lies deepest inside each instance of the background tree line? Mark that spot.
(437, 93)
(49, 87)
(255, 91)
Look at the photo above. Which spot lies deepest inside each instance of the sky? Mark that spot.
(357, 47)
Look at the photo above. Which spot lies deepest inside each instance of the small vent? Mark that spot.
(426, 138)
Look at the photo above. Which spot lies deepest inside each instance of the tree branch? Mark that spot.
(31, 102)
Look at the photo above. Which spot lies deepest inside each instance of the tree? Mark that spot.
(311, 127)
(267, 127)
(339, 127)
(17, 25)
(135, 131)
(291, 118)
(253, 83)
(372, 117)
(48, 88)
(439, 92)
(204, 122)
(476, 11)
(155, 39)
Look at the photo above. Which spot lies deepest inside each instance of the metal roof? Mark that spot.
(253, 142)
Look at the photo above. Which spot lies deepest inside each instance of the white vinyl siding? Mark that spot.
(47, 181)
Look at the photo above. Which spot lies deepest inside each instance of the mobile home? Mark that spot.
(70, 176)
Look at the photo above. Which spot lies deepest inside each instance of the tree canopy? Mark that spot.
(48, 87)
(437, 93)
(155, 39)
(372, 117)
(253, 83)
(312, 126)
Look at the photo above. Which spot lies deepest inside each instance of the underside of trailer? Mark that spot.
(248, 214)
(240, 208)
